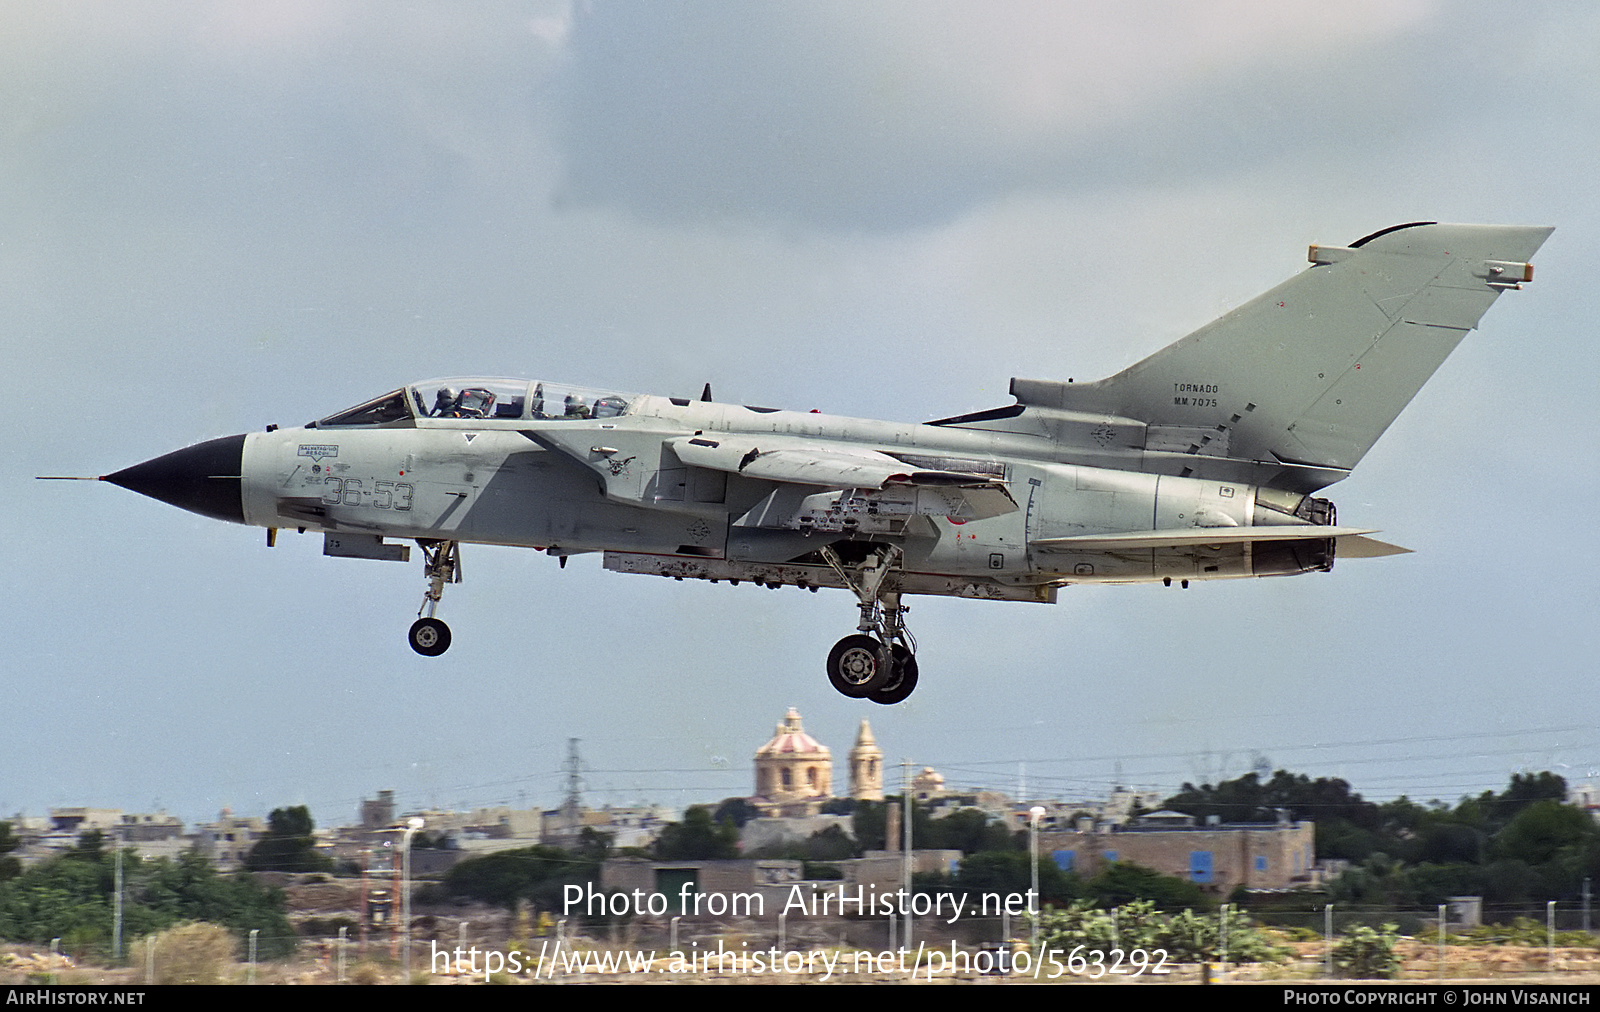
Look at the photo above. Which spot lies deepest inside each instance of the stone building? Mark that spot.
(1218, 858)
(794, 772)
(227, 842)
(866, 766)
(928, 786)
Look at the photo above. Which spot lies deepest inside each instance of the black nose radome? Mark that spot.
(203, 478)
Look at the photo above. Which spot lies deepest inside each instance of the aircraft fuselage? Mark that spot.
(508, 482)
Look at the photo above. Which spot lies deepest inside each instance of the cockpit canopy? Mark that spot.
(489, 399)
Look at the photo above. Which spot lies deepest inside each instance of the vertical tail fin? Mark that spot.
(1316, 369)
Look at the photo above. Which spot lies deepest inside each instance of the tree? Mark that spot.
(537, 874)
(1010, 873)
(970, 831)
(66, 897)
(593, 845)
(10, 867)
(1519, 846)
(867, 825)
(1380, 880)
(1541, 829)
(1124, 882)
(737, 811)
(830, 843)
(1446, 841)
(91, 846)
(870, 819)
(71, 897)
(1432, 884)
(698, 838)
(288, 845)
(294, 821)
(1347, 825)
(1525, 790)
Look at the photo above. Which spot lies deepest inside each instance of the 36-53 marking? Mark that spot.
(395, 495)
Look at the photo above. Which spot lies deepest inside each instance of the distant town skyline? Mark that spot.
(1022, 785)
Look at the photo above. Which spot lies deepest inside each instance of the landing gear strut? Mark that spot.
(880, 661)
(429, 636)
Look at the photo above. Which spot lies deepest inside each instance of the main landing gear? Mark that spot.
(880, 661)
(429, 636)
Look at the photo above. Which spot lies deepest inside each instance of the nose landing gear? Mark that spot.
(879, 662)
(429, 636)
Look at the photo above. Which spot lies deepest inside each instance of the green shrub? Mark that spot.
(1186, 936)
(1367, 953)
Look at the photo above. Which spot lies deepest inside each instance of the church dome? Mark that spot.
(791, 741)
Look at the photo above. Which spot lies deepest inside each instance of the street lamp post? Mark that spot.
(1034, 814)
(412, 825)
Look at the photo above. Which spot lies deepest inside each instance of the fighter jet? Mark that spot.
(1197, 463)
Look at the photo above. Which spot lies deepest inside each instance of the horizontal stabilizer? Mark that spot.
(1368, 548)
(1187, 536)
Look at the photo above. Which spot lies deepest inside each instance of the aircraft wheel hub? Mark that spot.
(858, 665)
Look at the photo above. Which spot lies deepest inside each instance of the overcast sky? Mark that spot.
(215, 216)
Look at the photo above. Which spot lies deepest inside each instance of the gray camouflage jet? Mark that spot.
(1197, 463)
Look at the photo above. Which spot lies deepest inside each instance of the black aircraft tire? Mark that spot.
(429, 637)
(902, 679)
(858, 665)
